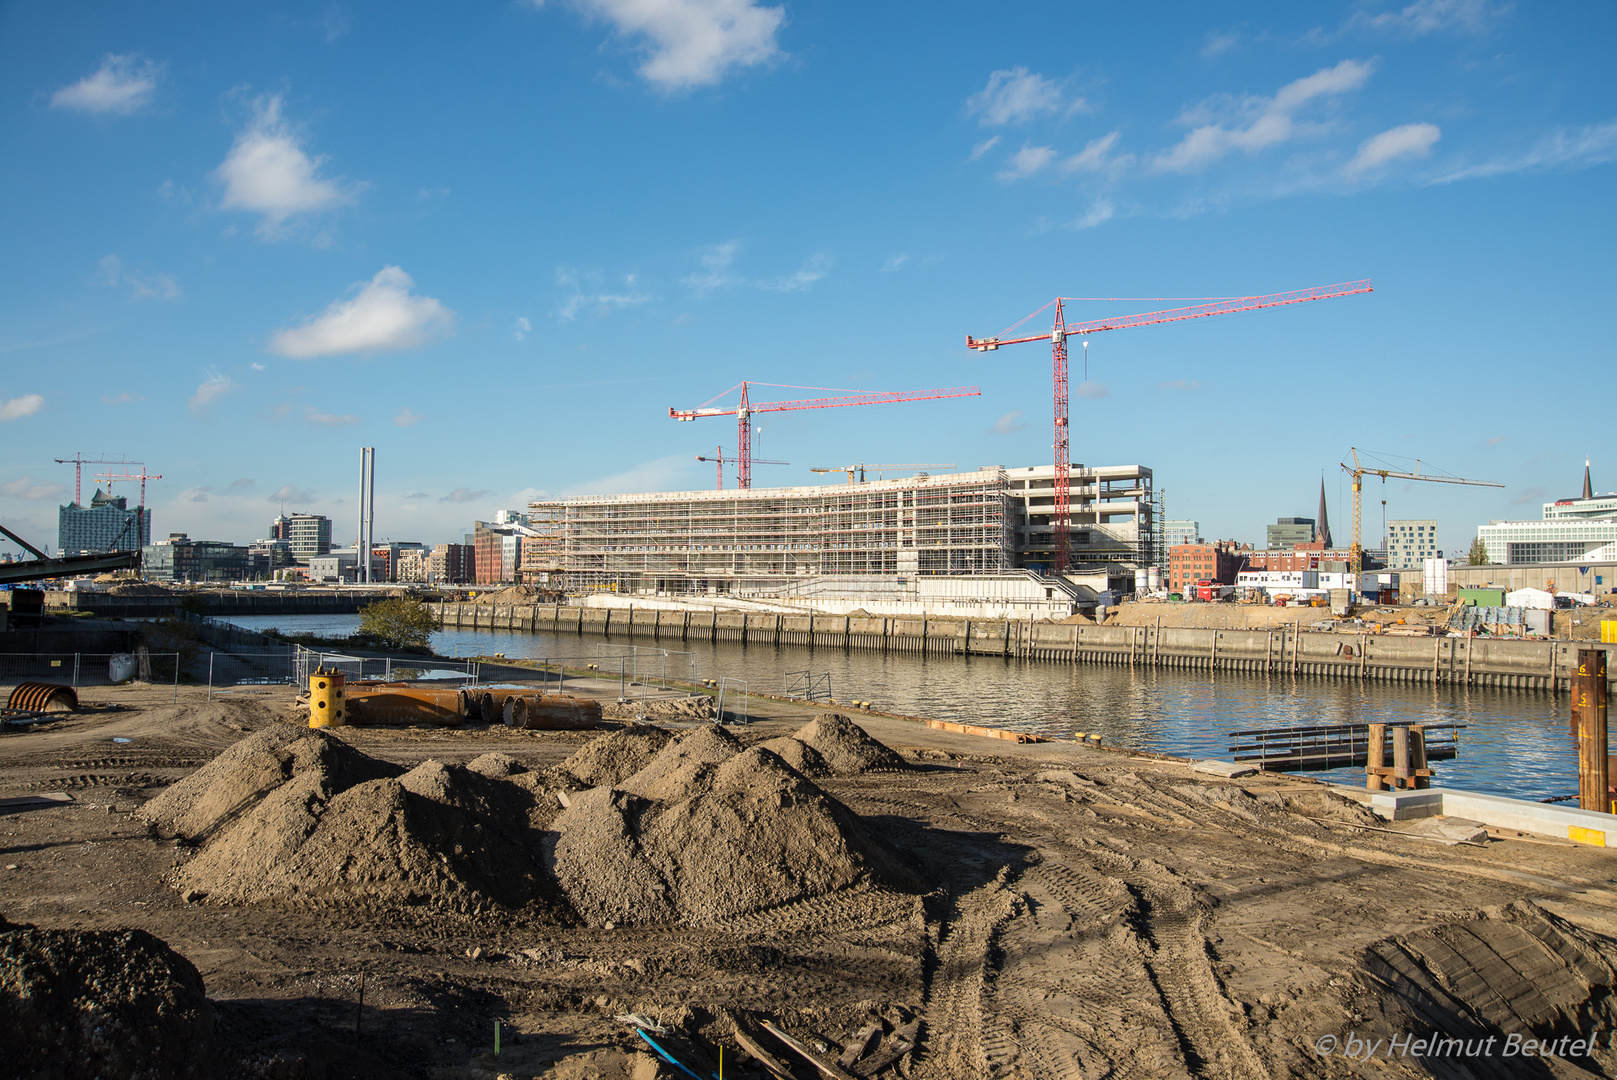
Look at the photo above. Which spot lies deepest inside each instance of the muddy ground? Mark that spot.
(1081, 913)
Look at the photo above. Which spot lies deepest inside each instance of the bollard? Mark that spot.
(1403, 774)
(1589, 696)
(1375, 758)
(326, 705)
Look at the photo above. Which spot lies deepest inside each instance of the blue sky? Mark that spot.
(498, 241)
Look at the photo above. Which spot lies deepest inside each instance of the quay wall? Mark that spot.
(215, 605)
(1517, 664)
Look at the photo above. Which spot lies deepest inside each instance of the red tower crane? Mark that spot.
(718, 456)
(1062, 330)
(109, 476)
(743, 411)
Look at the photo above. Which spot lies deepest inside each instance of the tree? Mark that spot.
(404, 623)
(1479, 553)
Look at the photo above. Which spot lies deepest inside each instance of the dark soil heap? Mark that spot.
(845, 747)
(100, 1003)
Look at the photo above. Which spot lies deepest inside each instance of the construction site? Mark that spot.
(859, 544)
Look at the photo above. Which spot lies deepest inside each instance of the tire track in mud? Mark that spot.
(953, 1045)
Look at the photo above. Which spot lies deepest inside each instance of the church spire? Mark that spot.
(1322, 531)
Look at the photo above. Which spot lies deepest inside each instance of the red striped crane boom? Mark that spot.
(744, 411)
(1062, 330)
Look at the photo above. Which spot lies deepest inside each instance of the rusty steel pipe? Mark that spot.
(43, 697)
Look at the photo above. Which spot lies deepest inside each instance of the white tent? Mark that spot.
(1531, 598)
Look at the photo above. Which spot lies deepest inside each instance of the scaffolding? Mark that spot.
(734, 542)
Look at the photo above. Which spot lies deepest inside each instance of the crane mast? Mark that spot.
(1057, 337)
(1359, 471)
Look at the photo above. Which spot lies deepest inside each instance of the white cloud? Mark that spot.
(1405, 141)
(893, 263)
(121, 85)
(716, 272)
(1025, 162)
(1093, 390)
(242, 482)
(1015, 96)
(142, 287)
(290, 493)
(1100, 211)
(1010, 422)
(19, 407)
(1258, 122)
(268, 172)
(127, 397)
(1430, 16)
(602, 303)
(382, 316)
(694, 42)
(316, 418)
(1097, 157)
(522, 328)
(1217, 44)
(465, 495)
(1591, 145)
(662, 474)
(25, 487)
(983, 147)
(813, 269)
(213, 387)
(405, 418)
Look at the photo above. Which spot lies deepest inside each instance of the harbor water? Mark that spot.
(1514, 743)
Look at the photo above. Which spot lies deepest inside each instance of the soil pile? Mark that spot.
(707, 832)
(800, 756)
(516, 594)
(140, 589)
(100, 1003)
(845, 747)
(308, 817)
(611, 759)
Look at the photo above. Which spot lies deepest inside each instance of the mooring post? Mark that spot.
(1417, 755)
(1593, 765)
(1375, 758)
(1402, 771)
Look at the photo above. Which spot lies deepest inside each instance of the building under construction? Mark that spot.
(764, 541)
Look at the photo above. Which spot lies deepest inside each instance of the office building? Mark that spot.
(1411, 541)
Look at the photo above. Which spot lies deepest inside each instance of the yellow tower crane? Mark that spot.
(1358, 471)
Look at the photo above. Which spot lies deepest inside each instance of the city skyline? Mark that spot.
(499, 243)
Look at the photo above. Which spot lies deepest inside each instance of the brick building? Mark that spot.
(1219, 561)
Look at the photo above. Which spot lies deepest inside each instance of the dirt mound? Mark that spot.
(800, 756)
(1518, 970)
(496, 765)
(516, 594)
(140, 589)
(311, 817)
(90, 1003)
(720, 840)
(610, 759)
(676, 763)
(696, 707)
(845, 747)
(248, 770)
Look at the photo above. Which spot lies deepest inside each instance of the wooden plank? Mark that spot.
(762, 1056)
(899, 1043)
(829, 1068)
(859, 1045)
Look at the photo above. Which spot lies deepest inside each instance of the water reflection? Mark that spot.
(1515, 742)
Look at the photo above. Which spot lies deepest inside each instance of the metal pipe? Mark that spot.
(359, 534)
